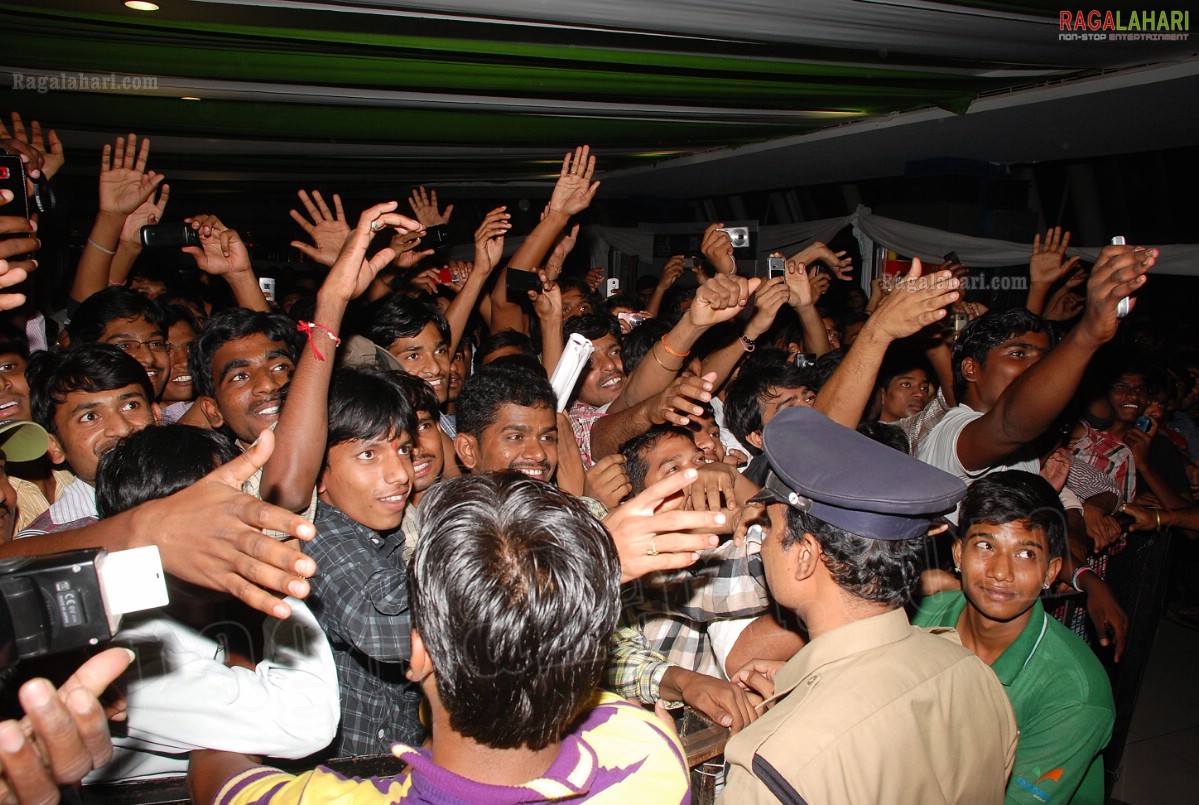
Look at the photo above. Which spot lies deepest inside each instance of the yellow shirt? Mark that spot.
(30, 500)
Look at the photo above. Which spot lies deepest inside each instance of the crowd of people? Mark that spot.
(827, 528)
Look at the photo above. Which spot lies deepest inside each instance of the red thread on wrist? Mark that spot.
(307, 327)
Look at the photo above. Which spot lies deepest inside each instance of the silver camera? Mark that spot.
(739, 235)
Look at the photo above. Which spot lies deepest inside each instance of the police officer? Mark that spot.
(872, 709)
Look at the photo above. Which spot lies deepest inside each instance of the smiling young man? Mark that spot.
(359, 595)
(418, 336)
(1010, 547)
(132, 322)
(87, 398)
(507, 421)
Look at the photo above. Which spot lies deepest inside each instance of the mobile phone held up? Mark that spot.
(161, 236)
(776, 267)
(12, 179)
(520, 282)
(1143, 424)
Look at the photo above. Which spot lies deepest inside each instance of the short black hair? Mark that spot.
(420, 393)
(491, 388)
(879, 570)
(113, 304)
(592, 326)
(230, 325)
(368, 403)
(634, 451)
(746, 396)
(504, 339)
(155, 462)
(402, 317)
(84, 367)
(640, 340)
(515, 591)
(987, 332)
(886, 433)
(13, 341)
(179, 313)
(1011, 496)
(903, 357)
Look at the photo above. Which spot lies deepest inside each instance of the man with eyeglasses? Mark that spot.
(130, 321)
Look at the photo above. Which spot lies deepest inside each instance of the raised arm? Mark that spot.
(1033, 400)
(770, 296)
(222, 253)
(915, 303)
(489, 250)
(125, 185)
(209, 534)
(1047, 266)
(806, 288)
(289, 477)
(129, 248)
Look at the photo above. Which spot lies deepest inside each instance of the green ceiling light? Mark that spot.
(141, 5)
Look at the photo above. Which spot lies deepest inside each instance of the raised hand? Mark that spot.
(148, 214)
(575, 190)
(803, 290)
(327, 230)
(221, 251)
(681, 400)
(564, 246)
(27, 240)
(424, 207)
(770, 296)
(1118, 273)
(717, 246)
(125, 184)
(915, 303)
(489, 239)
(816, 252)
(1063, 305)
(39, 158)
(547, 304)
(650, 537)
(721, 298)
(671, 273)
(1049, 263)
(404, 243)
(352, 273)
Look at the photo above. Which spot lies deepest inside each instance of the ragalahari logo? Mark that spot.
(1121, 26)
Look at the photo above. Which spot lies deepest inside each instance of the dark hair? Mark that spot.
(987, 332)
(620, 300)
(524, 362)
(401, 317)
(1011, 496)
(504, 339)
(420, 393)
(491, 388)
(13, 341)
(113, 304)
(635, 449)
(879, 570)
(901, 358)
(592, 326)
(885, 433)
(368, 403)
(230, 325)
(514, 589)
(86, 367)
(178, 313)
(640, 341)
(155, 462)
(743, 404)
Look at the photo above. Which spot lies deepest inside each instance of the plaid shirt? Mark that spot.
(672, 610)
(360, 597)
(582, 419)
(634, 669)
(1109, 455)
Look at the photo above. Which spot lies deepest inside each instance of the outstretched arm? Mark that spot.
(489, 250)
(1033, 400)
(223, 254)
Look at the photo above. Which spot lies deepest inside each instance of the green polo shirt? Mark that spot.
(1063, 704)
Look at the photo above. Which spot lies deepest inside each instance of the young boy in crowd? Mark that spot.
(86, 398)
(1009, 550)
(359, 594)
(189, 688)
(418, 336)
(510, 669)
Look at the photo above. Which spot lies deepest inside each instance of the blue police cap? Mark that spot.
(851, 481)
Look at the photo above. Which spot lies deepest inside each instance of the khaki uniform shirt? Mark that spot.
(878, 711)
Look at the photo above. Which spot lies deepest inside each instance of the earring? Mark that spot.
(957, 570)
(1045, 586)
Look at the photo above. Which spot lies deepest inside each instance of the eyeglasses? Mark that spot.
(130, 347)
